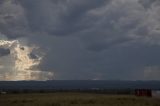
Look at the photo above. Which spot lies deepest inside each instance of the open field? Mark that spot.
(75, 99)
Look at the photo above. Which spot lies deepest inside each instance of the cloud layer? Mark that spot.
(93, 39)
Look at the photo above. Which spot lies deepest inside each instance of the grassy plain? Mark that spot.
(75, 99)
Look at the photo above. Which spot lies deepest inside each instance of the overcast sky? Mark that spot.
(82, 39)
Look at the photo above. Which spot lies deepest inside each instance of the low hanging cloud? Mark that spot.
(152, 73)
(93, 39)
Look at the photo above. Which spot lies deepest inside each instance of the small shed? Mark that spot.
(143, 92)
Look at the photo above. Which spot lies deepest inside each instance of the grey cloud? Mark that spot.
(12, 19)
(147, 3)
(32, 56)
(115, 43)
(123, 22)
(69, 60)
(4, 52)
(59, 17)
(151, 72)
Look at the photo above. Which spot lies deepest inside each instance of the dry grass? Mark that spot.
(75, 99)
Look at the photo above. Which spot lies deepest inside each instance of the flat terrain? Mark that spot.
(75, 99)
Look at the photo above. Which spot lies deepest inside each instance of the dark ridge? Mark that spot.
(80, 84)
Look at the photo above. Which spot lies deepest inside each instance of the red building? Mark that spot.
(143, 92)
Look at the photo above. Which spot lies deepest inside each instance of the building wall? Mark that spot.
(143, 92)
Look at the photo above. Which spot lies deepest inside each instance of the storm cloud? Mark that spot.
(4, 52)
(88, 39)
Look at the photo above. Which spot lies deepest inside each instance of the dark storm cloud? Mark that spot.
(59, 17)
(147, 3)
(12, 19)
(105, 40)
(90, 39)
(4, 52)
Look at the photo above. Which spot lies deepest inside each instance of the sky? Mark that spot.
(79, 40)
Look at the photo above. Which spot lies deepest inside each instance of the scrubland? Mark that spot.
(75, 99)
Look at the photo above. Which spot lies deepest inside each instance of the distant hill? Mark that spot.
(79, 84)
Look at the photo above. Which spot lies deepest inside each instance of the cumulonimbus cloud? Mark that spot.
(93, 39)
(22, 66)
(17, 60)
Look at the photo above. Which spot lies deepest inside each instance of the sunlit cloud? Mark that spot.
(23, 66)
